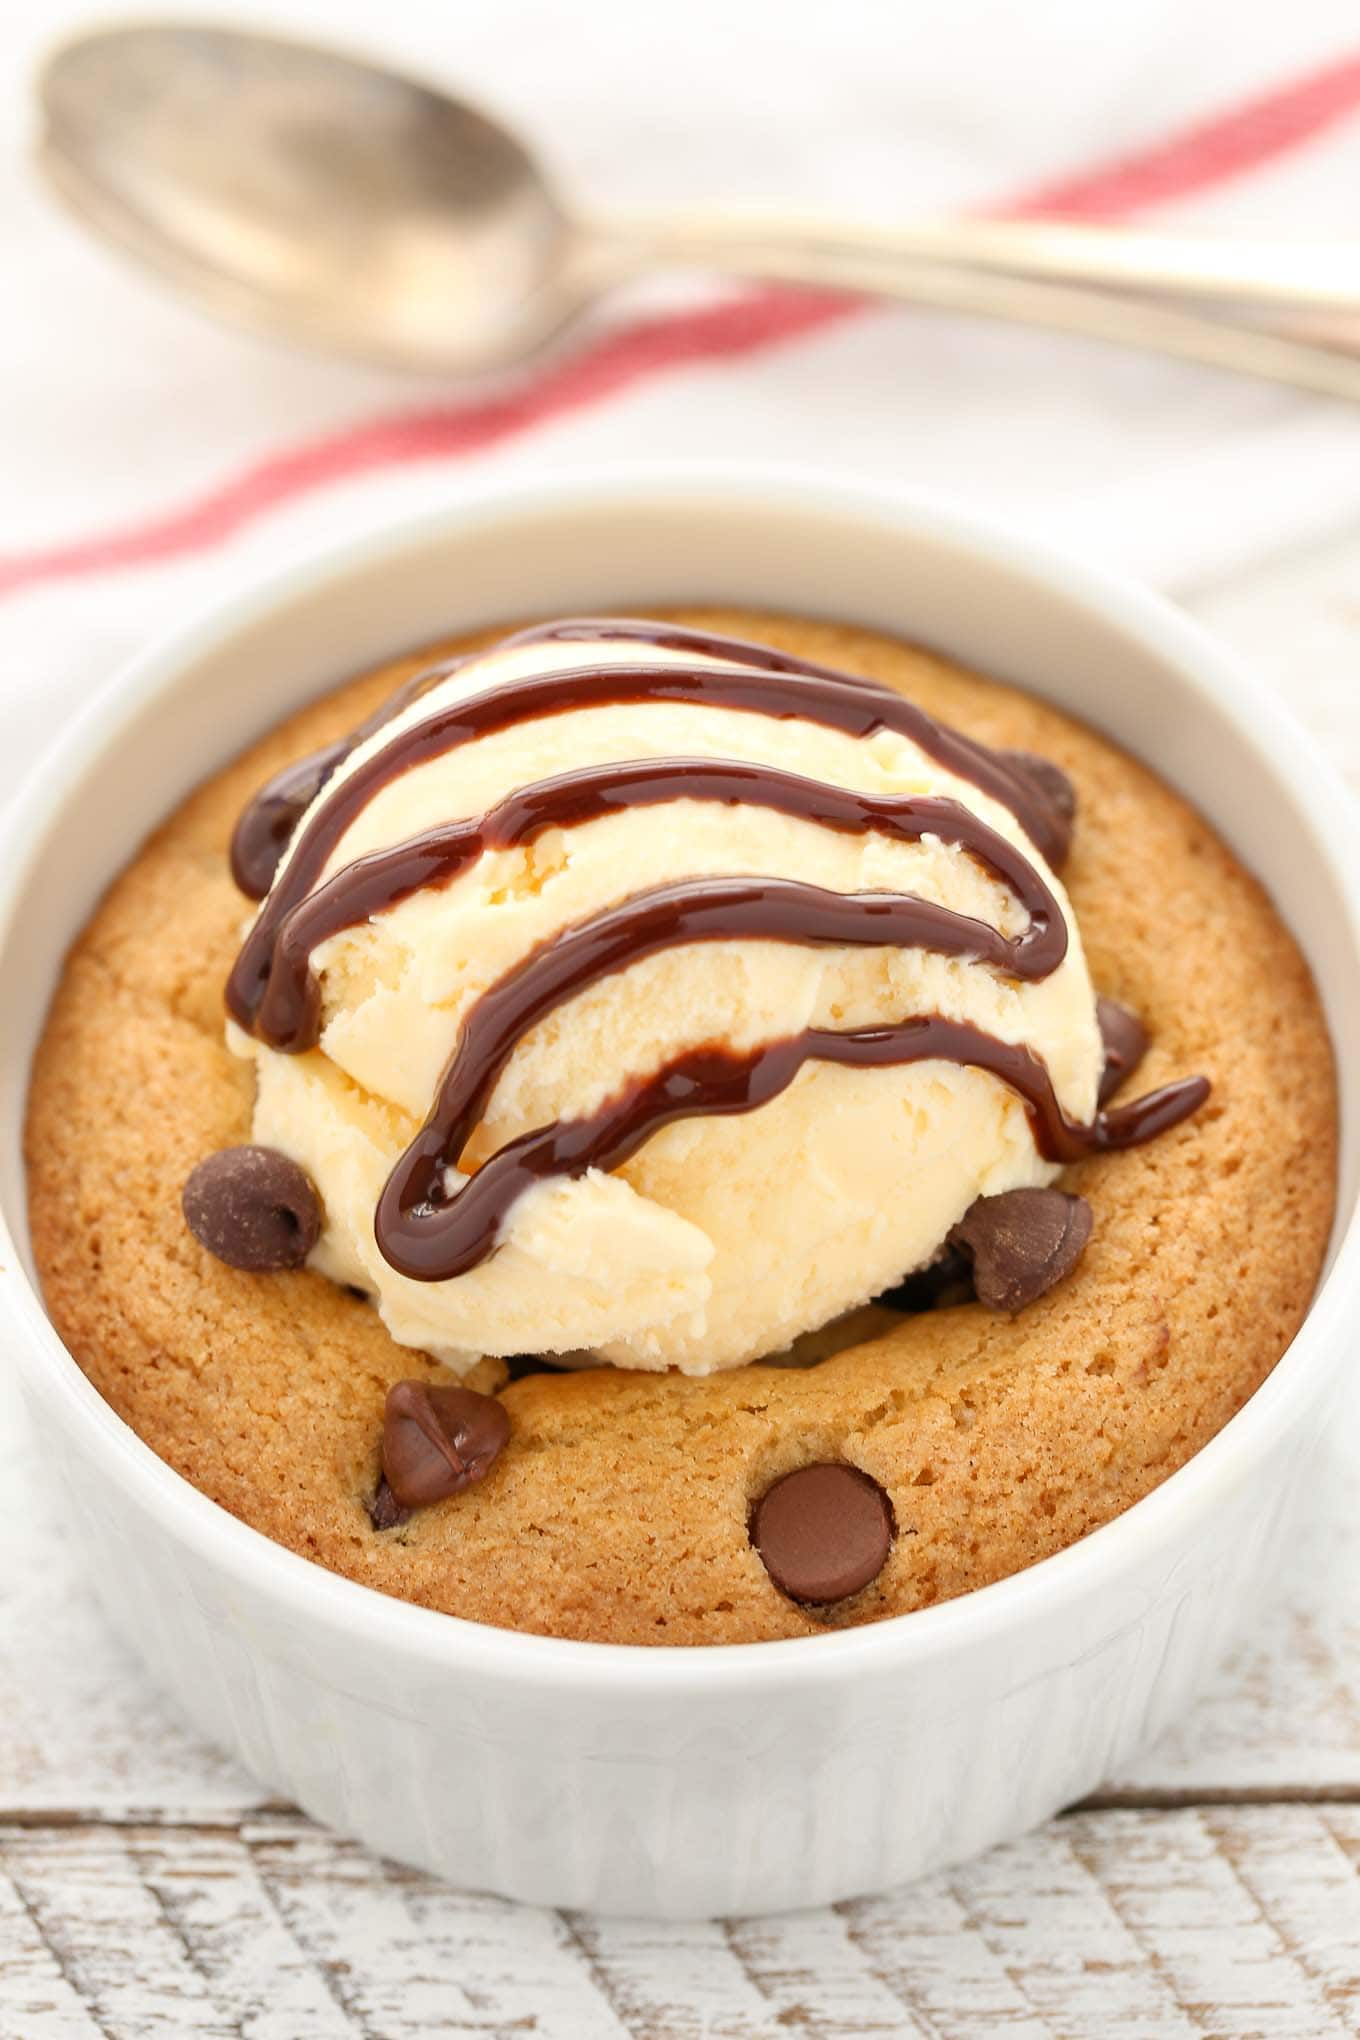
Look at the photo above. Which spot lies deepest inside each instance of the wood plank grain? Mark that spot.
(673, 1981)
(1236, 1922)
(1224, 1942)
(813, 1970)
(102, 1918)
(37, 1996)
(407, 1957)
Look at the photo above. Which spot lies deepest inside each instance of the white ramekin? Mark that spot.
(674, 1782)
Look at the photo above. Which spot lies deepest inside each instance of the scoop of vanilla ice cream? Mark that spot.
(721, 1239)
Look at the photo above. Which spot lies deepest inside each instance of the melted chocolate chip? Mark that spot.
(947, 1280)
(1057, 792)
(266, 827)
(1125, 1039)
(823, 1531)
(1022, 1242)
(262, 834)
(253, 1208)
(385, 1511)
(438, 1441)
(1051, 780)
(520, 1365)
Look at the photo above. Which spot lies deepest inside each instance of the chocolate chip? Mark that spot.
(385, 1511)
(1055, 787)
(438, 1441)
(823, 1531)
(1125, 1039)
(947, 1280)
(253, 1208)
(1021, 1243)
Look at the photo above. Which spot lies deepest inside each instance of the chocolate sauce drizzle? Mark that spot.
(267, 822)
(427, 1233)
(771, 683)
(288, 1013)
(432, 1237)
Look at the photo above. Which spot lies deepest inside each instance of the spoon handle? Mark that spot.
(1270, 275)
(1324, 358)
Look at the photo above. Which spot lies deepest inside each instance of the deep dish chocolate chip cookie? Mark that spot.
(693, 1059)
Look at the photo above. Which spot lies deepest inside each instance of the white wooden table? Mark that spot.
(147, 1888)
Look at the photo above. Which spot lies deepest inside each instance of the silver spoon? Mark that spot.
(335, 204)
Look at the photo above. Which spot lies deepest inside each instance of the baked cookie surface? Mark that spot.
(619, 1509)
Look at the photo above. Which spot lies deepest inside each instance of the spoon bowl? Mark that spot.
(312, 195)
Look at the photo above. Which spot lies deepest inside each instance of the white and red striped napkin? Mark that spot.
(149, 461)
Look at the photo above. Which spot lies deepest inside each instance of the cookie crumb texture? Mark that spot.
(619, 1508)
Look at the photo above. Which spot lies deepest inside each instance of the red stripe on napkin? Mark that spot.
(1227, 145)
